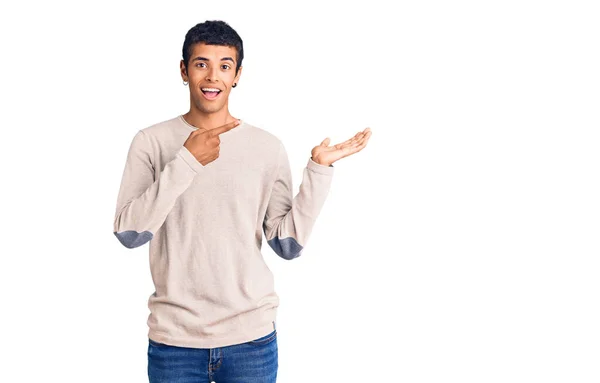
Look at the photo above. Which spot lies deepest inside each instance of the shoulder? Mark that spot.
(163, 127)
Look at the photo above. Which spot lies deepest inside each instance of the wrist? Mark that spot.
(320, 163)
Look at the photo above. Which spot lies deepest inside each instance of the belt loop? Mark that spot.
(274, 328)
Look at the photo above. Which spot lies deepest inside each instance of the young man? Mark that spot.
(201, 188)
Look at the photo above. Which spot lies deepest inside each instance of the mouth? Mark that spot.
(210, 93)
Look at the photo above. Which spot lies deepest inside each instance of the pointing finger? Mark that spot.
(224, 128)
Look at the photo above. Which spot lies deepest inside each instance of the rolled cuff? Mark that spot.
(189, 159)
(318, 168)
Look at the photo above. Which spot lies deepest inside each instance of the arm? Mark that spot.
(288, 222)
(144, 201)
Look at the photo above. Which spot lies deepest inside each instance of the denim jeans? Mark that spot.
(255, 361)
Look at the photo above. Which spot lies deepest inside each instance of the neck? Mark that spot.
(208, 121)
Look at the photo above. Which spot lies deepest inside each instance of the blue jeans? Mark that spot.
(255, 361)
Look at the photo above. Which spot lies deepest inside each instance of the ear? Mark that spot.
(237, 76)
(183, 71)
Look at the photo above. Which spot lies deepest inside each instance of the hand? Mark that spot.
(326, 155)
(204, 143)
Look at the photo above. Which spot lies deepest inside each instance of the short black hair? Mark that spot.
(213, 32)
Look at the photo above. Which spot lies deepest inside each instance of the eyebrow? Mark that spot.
(205, 59)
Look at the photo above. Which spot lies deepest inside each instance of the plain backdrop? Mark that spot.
(461, 245)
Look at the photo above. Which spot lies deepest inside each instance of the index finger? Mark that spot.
(225, 128)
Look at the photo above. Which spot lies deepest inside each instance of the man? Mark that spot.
(201, 188)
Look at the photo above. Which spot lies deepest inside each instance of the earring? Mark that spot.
(185, 83)
(234, 85)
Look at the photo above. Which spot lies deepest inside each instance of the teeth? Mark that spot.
(211, 90)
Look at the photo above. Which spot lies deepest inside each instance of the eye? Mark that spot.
(226, 65)
(200, 64)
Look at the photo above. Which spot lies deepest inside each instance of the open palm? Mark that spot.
(326, 155)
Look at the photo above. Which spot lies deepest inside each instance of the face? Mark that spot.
(211, 67)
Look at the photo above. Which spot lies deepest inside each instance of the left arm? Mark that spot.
(289, 221)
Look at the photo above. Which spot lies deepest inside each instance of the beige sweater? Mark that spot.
(204, 225)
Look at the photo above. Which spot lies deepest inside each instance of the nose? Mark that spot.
(212, 74)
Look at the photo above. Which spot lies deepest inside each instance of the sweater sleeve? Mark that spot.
(289, 221)
(144, 201)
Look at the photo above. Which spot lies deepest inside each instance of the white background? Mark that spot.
(461, 245)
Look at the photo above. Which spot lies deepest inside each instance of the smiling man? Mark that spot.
(202, 188)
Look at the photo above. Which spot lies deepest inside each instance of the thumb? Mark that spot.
(325, 142)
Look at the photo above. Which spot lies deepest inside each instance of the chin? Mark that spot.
(208, 109)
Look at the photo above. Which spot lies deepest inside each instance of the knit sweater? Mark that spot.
(204, 225)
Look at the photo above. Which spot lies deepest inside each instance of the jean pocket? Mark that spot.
(264, 339)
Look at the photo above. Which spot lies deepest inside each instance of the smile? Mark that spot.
(210, 93)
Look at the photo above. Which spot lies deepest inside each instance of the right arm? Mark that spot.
(144, 201)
